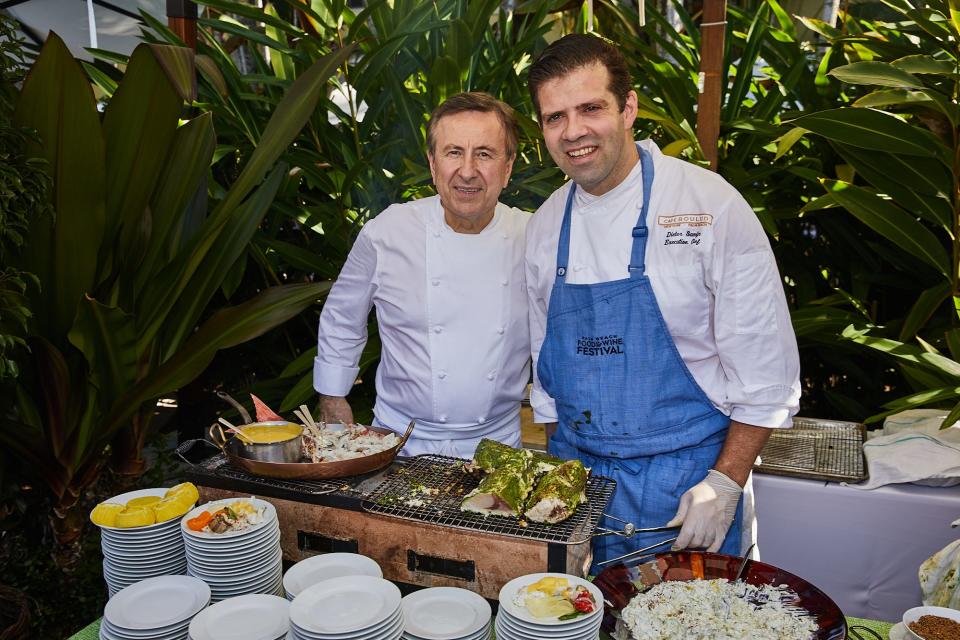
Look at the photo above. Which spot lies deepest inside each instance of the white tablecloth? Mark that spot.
(862, 548)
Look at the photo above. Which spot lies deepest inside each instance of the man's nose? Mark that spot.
(575, 128)
(468, 168)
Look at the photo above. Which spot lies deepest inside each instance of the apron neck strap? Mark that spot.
(639, 248)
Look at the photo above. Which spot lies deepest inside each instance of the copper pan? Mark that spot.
(316, 470)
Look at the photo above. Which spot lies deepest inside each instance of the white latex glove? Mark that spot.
(706, 511)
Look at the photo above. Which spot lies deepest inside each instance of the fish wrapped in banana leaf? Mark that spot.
(558, 493)
(490, 455)
(503, 491)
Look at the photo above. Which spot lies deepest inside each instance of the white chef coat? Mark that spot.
(712, 271)
(452, 315)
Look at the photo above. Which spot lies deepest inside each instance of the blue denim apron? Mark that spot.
(627, 405)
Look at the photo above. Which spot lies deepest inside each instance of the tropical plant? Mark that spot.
(899, 142)
(131, 260)
(358, 155)
(24, 185)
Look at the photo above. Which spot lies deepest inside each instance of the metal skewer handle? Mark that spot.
(629, 529)
(638, 552)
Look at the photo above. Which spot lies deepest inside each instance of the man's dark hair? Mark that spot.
(572, 52)
(475, 101)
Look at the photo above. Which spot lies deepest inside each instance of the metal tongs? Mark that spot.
(628, 531)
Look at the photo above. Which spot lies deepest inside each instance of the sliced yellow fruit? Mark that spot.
(135, 517)
(184, 489)
(550, 607)
(172, 507)
(105, 514)
(144, 501)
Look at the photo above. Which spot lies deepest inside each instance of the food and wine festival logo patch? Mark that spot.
(600, 345)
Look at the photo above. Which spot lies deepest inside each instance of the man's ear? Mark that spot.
(433, 173)
(630, 109)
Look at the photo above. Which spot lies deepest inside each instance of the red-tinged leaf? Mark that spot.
(264, 413)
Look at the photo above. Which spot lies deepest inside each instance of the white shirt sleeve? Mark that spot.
(544, 408)
(343, 321)
(752, 328)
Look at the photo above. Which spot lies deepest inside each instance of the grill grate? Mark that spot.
(430, 488)
(816, 449)
(220, 466)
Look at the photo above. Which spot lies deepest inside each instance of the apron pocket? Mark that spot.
(667, 479)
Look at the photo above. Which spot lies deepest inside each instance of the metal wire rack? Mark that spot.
(218, 465)
(816, 449)
(430, 488)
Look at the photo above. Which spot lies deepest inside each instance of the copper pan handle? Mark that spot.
(218, 437)
(403, 440)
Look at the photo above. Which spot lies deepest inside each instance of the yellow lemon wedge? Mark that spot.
(105, 514)
(187, 489)
(172, 507)
(135, 517)
(143, 501)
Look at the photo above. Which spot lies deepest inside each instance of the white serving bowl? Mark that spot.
(912, 615)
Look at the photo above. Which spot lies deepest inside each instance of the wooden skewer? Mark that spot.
(237, 430)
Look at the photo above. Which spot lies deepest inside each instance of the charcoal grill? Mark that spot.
(428, 544)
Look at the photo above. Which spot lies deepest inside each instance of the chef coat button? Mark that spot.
(504, 282)
(442, 375)
(436, 234)
(436, 283)
(437, 329)
(577, 268)
(443, 418)
(505, 236)
(490, 376)
(482, 419)
(500, 330)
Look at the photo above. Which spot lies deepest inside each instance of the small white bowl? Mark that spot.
(912, 615)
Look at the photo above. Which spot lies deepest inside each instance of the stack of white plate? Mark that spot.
(514, 621)
(351, 608)
(236, 563)
(445, 613)
(154, 609)
(133, 554)
(251, 617)
(316, 569)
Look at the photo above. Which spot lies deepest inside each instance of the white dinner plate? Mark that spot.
(249, 617)
(262, 533)
(483, 634)
(507, 633)
(572, 627)
(269, 517)
(315, 569)
(157, 530)
(270, 537)
(441, 613)
(509, 590)
(348, 604)
(260, 583)
(144, 634)
(127, 564)
(124, 498)
(390, 629)
(138, 548)
(254, 574)
(517, 628)
(157, 602)
(204, 570)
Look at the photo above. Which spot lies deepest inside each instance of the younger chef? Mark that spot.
(445, 274)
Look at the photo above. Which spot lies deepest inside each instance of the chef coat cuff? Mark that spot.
(544, 408)
(769, 417)
(333, 380)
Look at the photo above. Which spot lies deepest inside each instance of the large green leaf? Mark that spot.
(226, 328)
(876, 73)
(925, 64)
(871, 129)
(908, 354)
(891, 222)
(57, 101)
(286, 122)
(925, 306)
(139, 125)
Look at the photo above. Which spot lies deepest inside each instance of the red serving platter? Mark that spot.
(619, 583)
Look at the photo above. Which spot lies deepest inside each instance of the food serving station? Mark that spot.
(407, 517)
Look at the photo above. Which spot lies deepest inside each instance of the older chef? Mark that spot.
(659, 328)
(446, 276)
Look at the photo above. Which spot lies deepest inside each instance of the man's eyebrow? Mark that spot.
(586, 103)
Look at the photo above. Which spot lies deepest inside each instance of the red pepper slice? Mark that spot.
(198, 523)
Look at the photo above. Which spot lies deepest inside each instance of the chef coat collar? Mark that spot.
(439, 222)
(629, 189)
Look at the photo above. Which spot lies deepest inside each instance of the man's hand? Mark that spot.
(335, 409)
(706, 511)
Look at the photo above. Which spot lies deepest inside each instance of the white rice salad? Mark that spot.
(715, 610)
(351, 441)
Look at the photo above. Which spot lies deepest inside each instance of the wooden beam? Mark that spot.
(182, 20)
(712, 31)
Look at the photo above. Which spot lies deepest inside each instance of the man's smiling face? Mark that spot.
(587, 134)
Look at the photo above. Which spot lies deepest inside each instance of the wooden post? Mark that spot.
(712, 30)
(182, 20)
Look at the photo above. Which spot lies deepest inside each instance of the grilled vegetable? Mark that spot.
(490, 455)
(502, 492)
(558, 493)
(940, 577)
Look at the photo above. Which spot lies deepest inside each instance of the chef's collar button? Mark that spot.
(442, 375)
(504, 282)
(482, 419)
(443, 418)
(490, 376)
(436, 234)
(435, 283)
(437, 329)
(505, 236)
(500, 330)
